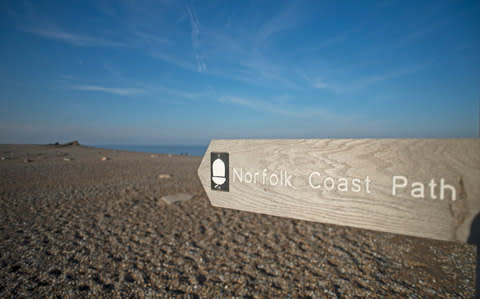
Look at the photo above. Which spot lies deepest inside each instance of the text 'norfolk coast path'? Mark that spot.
(420, 187)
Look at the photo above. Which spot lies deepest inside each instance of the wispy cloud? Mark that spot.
(117, 91)
(112, 71)
(53, 32)
(194, 23)
(328, 42)
(319, 84)
(243, 46)
(150, 89)
(218, 45)
(152, 39)
(287, 18)
(154, 48)
(156, 89)
(364, 81)
(172, 59)
(161, 47)
(277, 108)
(190, 95)
(316, 83)
(255, 105)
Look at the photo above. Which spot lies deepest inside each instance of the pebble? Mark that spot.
(169, 199)
(105, 158)
(164, 176)
(69, 234)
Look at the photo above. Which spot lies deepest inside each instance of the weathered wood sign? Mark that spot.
(421, 187)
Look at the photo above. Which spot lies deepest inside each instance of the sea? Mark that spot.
(189, 150)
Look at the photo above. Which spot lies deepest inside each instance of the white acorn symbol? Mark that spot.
(218, 172)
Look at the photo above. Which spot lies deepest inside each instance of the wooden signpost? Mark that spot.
(420, 187)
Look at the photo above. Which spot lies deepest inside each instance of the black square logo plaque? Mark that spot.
(219, 171)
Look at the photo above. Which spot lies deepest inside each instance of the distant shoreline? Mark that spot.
(188, 150)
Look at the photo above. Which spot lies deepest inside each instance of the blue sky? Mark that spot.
(173, 72)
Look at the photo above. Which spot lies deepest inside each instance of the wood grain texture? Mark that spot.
(457, 161)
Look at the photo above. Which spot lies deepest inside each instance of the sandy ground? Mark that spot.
(72, 225)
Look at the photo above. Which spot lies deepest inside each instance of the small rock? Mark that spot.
(164, 176)
(108, 287)
(129, 278)
(56, 272)
(2, 158)
(169, 199)
(153, 156)
(27, 160)
(105, 158)
(84, 288)
(169, 155)
(66, 159)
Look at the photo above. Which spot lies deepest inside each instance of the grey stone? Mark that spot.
(169, 199)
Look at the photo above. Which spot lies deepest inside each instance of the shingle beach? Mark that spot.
(81, 221)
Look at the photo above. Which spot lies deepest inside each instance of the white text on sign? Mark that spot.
(433, 189)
